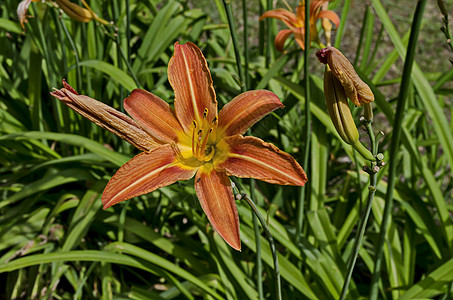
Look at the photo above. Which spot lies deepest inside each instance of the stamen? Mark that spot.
(201, 137)
(197, 149)
(203, 145)
(193, 137)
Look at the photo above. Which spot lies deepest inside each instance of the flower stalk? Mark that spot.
(372, 170)
(269, 237)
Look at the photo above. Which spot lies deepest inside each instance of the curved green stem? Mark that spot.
(246, 85)
(270, 238)
(307, 131)
(364, 152)
(76, 54)
(268, 35)
(364, 219)
(227, 4)
(395, 143)
(111, 34)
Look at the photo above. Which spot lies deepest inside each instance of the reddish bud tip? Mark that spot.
(68, 87)
(322, 55)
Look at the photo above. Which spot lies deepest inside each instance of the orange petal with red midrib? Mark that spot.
(244, 110)
(281, 38)
(153, 114)
(217, 200)
(251, 157)
(284, 15)
(145, 173)
(191, 80)
(328, 14)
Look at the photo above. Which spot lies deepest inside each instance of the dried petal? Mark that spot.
(106, 117)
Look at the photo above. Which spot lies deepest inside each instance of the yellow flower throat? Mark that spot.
(203, 138)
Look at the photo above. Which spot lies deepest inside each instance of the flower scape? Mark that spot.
(191, 139)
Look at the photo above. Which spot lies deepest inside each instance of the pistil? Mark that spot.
(201, 133)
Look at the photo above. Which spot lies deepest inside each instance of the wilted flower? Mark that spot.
(296, 22)
(191, 140)
(22, 11)
(356, 90)
(337, 105)
(340, 114)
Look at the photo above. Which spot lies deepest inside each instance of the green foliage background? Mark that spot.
(57, 242)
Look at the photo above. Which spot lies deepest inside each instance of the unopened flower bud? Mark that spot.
(75, 11)
(356, 90)
(340, 114)
(337, 105)
(368, 112)
(79, 13)
(442, 8)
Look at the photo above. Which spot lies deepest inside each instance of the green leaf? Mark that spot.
(163, 263)
(111, 71)
(433, 284)
(72, 139)
(422, 85)
(10, 26)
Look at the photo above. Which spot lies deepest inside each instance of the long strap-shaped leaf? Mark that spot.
(110, 257)
(422, 85)
(432, 284)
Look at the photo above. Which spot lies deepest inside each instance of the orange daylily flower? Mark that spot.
(192, 140)
(296, 22)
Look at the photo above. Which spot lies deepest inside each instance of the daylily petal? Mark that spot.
(251, 157)
(190, 78)
(217, 200)
(315, 6)
(281, 38)
(328, 14)
(245, 110)
(300, 15)
(299, 36)
(145, 173)
(106, 117)
(284, 15)
(153, 114)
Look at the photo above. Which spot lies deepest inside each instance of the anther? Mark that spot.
(205, 113)
(215, 119)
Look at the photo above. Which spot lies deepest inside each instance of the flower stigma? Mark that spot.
(203, 138)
